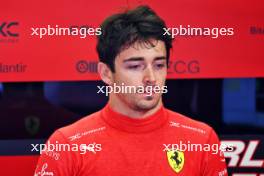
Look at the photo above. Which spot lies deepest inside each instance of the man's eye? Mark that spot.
(160, 65)
(134, 67)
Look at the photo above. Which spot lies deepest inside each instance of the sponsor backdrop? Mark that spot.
(35, 47)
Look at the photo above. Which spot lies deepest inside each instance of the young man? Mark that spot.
(134, 134)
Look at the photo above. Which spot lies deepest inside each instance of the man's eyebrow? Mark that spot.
(160, 58)
(141, 59)
(134, 59)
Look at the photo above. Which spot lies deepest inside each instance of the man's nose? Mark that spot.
(149, 76)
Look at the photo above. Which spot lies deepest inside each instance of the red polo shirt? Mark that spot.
(108, 143)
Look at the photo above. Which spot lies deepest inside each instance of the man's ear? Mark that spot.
(105, 73)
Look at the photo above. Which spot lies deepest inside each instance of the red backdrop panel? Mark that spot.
(55, 58)
(18, 165)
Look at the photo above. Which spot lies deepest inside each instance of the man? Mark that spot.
(134, 134)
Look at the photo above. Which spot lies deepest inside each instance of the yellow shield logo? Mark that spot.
(176, 160)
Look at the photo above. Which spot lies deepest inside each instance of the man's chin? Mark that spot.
(147, 103)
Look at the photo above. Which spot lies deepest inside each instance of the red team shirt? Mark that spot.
(108, 143)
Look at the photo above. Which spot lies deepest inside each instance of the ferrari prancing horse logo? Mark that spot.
(176, 160)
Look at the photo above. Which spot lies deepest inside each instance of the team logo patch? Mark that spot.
(176, 160)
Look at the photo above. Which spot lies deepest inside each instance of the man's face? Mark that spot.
(141, 65)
